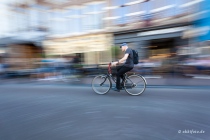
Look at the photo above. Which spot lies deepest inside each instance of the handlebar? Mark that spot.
(109, 68)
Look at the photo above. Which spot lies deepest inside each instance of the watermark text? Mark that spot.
(192, 131)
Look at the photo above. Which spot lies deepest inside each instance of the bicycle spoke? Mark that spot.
(101, 84)
(135, 85)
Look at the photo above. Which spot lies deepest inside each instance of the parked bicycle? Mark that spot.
(133, 84)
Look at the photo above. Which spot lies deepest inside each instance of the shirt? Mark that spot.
(129, 60)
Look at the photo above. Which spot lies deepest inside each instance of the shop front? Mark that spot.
(94, 48)
(21, 51)
(156, 45)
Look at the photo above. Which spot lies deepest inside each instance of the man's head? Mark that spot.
(123, 47)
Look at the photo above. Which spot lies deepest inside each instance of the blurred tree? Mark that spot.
(115, 51)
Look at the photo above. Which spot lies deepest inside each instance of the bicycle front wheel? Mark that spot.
(101, 84)
(135, 85)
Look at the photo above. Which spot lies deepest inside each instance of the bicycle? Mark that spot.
(133, 84)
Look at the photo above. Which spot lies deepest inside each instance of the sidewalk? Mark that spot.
(170, 81)
(151, 81)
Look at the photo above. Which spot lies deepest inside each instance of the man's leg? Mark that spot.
(120, 73)
(118, 69)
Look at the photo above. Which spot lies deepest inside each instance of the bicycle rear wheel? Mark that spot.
(101, 84)
(135, 85)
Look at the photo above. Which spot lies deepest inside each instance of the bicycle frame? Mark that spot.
(109, 75)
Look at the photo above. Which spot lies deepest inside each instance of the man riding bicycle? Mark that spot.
(127, 64)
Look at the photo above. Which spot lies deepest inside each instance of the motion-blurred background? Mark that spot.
(72, 40)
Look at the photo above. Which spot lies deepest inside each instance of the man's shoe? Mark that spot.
(116, 89)
(121, 88)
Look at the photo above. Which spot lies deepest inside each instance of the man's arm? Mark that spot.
(121, 60)
(124, 58)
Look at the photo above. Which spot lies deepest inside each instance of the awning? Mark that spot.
(163, 31)
(30, 37)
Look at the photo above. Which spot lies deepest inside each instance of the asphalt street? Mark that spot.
(50, 112)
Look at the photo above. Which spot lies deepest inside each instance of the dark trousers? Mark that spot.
(120, 71)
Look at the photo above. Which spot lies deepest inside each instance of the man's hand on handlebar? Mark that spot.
(114, 63)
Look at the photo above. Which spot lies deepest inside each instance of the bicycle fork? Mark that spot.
(105, 78)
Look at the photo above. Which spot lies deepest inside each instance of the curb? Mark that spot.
(89, 85)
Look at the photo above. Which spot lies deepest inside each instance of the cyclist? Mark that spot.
(127, 64)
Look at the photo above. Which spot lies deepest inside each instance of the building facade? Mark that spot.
(154, 27)
(78, 28)
(23, 33)
(38, 22)
(89, 28)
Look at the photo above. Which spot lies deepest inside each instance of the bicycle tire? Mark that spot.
(135, 85)
(98, 80)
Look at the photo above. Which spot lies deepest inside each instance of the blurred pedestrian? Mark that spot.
(76, 65)
(2, 68)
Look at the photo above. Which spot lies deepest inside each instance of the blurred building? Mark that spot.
(77, 28)
(34, 29)
(154, 27)
(23, 32)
